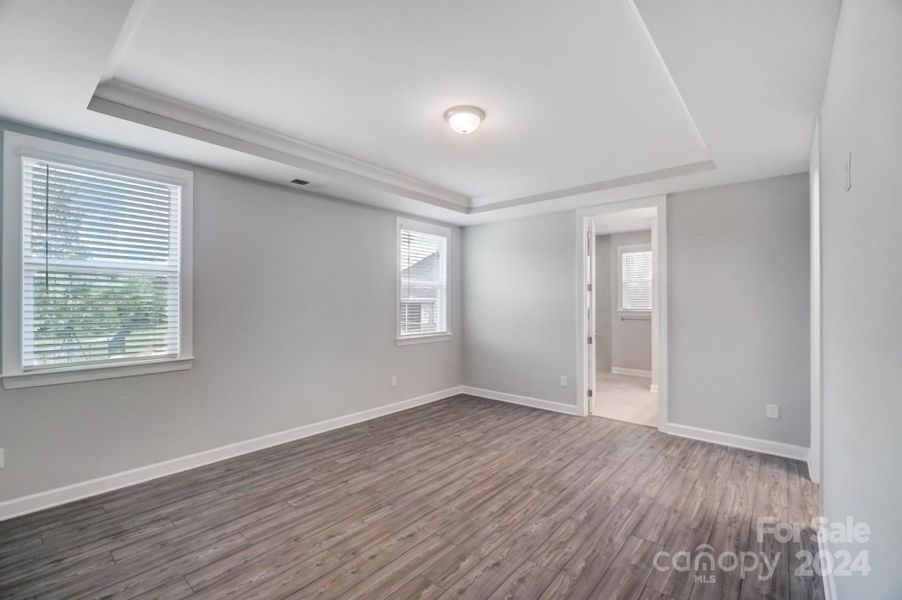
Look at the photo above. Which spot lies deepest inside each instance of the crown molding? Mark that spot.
(126, 33)
(359, 180)
(145, 107)
(132, 103)
(486, 203)
(138, 105)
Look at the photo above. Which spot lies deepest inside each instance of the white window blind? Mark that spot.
(423, 293)
(100, 262)
(636, 280)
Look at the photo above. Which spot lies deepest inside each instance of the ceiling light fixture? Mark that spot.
(464, 119)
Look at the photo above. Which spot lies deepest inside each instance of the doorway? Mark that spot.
(624, 324)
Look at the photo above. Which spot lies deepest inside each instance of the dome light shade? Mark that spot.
(464, 119)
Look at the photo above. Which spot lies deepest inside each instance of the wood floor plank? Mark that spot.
(650, 594)
(590, 562)
(625, 578)
(418, 588)
(398, 551)
(723, 583)
(463, 498)
(391, 578)
(297, 576)
(678, 584)
(135, 579)
(526, 583)
(242, 570)
(771, 502)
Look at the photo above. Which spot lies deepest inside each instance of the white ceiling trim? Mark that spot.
(126, 33)
(142, 106)
(705, 165)
(676, 90)
(752, 74)
(138, 105)
(132, 103)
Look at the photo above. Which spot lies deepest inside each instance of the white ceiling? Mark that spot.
(589, 102)
(602, 101)
(624, 221)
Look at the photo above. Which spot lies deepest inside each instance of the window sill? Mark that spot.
(423, 339)
(634, 315)
(91, 373)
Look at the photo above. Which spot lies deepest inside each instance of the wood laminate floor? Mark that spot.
(463, 498)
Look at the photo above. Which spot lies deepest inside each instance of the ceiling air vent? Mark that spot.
(299, 181)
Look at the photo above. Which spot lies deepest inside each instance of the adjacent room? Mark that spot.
(487, 300)
(623, 290)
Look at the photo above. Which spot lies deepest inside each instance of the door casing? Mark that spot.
(585, 369)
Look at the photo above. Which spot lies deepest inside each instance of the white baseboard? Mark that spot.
(737, 441)
(633, 372)
(47, 499)
(77, 491)
(567, 409)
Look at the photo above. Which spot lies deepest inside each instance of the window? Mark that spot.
(635, 278)
(94, 264)
(422, 281)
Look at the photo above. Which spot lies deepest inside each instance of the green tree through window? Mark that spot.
(94, 240)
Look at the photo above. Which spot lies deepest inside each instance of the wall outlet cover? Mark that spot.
(773, 411)
(563, 381)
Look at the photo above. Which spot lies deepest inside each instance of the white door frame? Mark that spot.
(816, 442)
(585, 376)
(589, 309)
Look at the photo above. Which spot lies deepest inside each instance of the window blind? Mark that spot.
(424, 283)
(100, 266)
(636, 284)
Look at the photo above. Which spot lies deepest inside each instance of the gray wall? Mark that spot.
(603, 306)
(630, 338)
(520, 306)
(281, 341)
(861, 244)
(738, 308)
(738, 273)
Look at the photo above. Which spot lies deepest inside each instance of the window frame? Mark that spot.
(15, 146)
(432, 229)
(627, 249)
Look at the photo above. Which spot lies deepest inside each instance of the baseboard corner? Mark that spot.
(737, 441)
(567, 409)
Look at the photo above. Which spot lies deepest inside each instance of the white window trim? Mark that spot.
(15, 145)
(422, 338)
(621, 250)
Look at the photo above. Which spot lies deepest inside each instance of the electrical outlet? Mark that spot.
(394, 381)
(563, 381)
(773, 411)
(2, 459)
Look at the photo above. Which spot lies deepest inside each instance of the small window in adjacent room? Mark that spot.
(635, 278)
(96, 260)
(422, 281)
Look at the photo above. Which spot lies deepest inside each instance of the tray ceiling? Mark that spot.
(581, 105)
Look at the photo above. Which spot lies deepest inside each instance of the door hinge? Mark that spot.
(589, 393)
(589, 340)
(589, 287)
